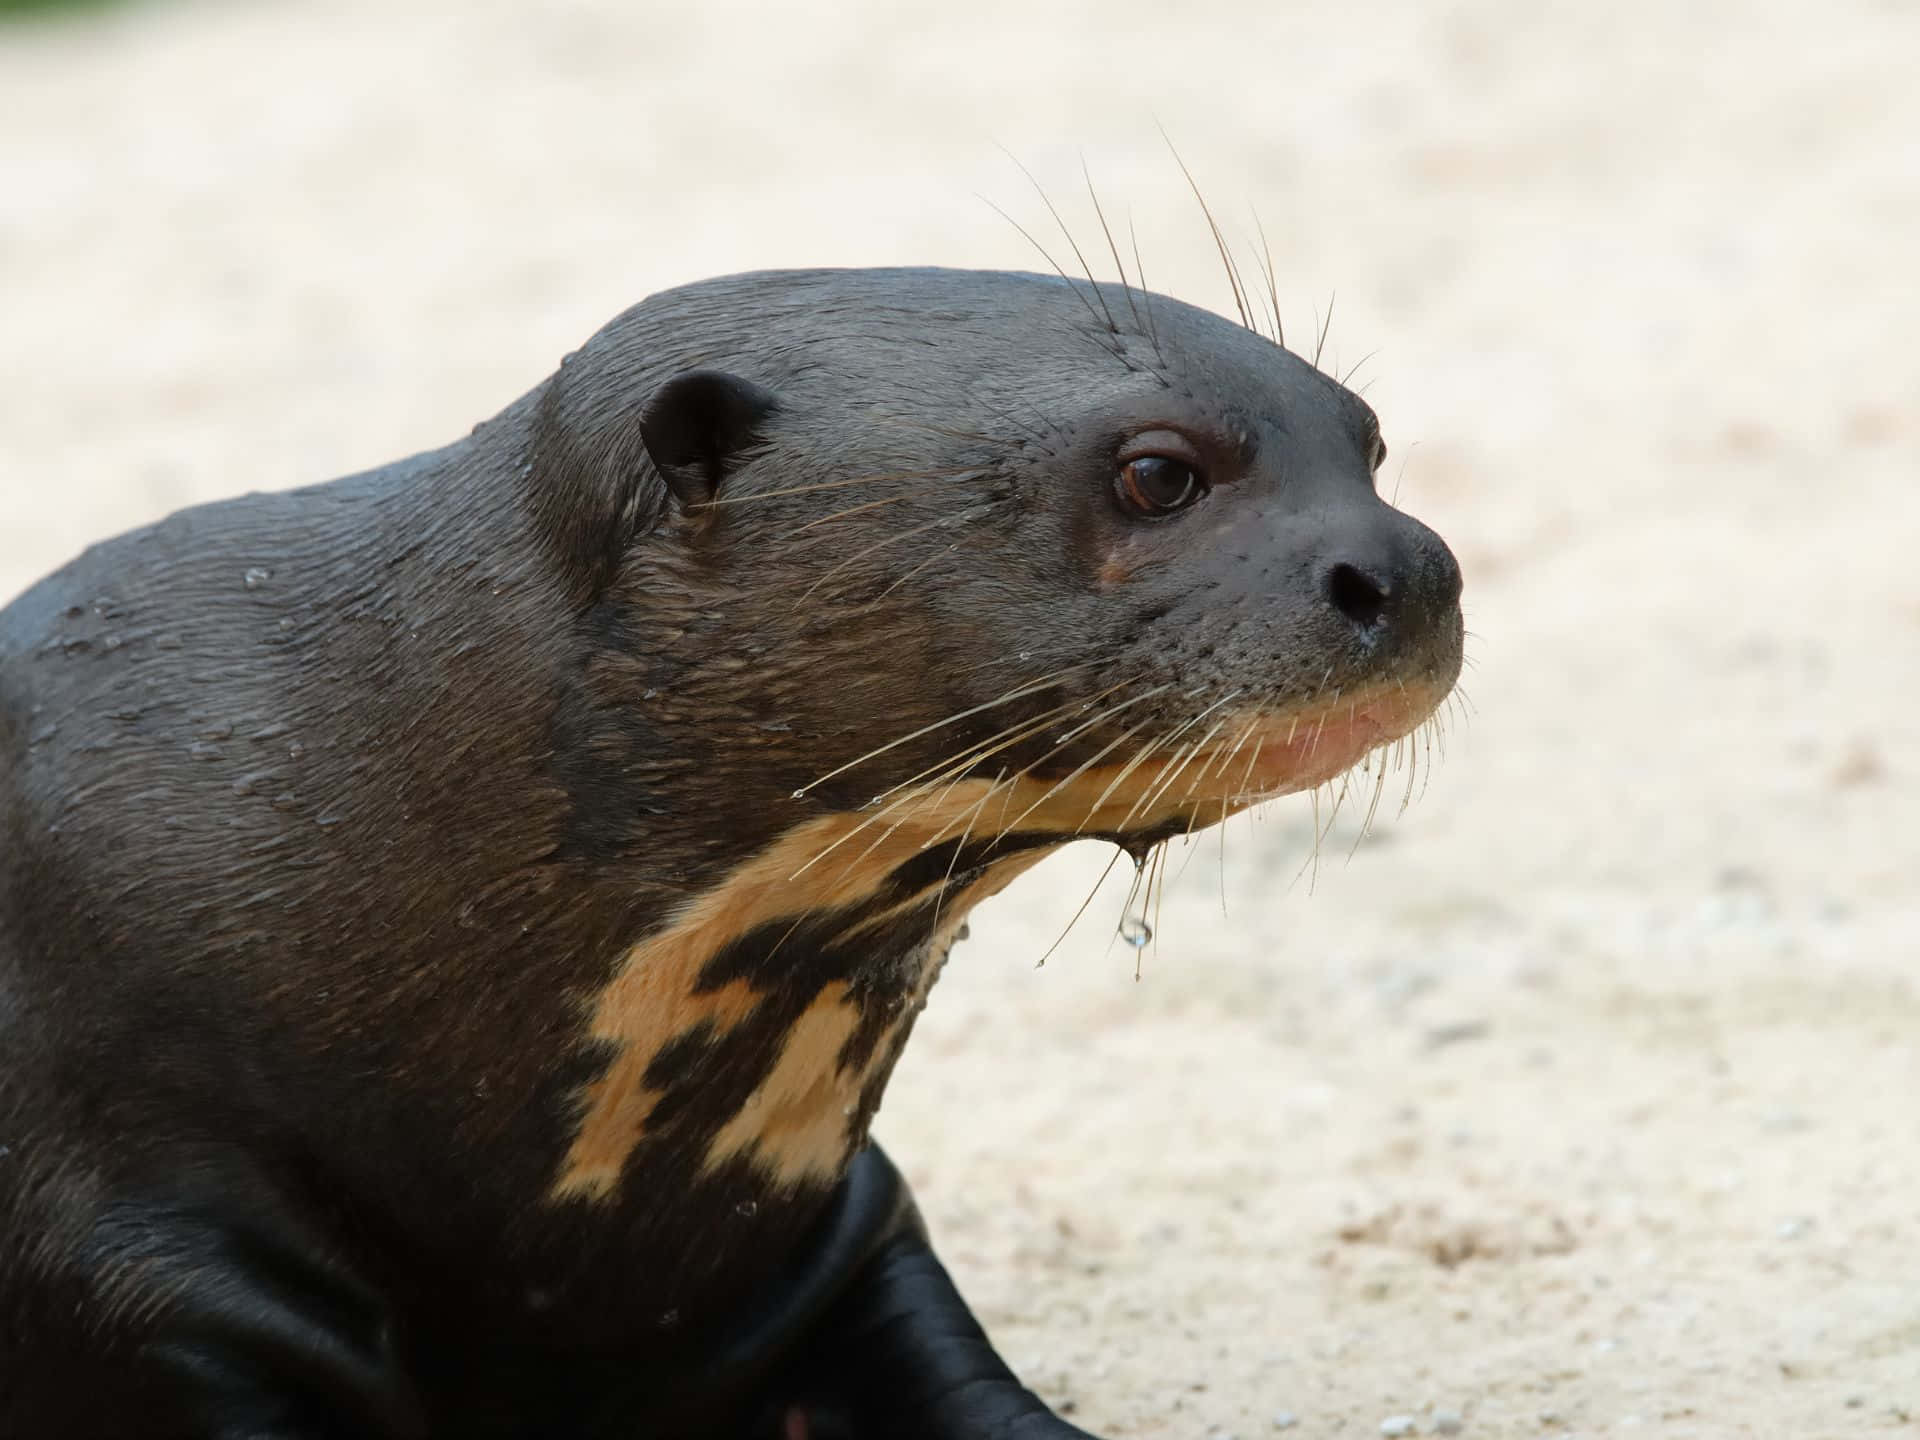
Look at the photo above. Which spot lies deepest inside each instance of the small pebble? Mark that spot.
(1399, 1425)
(1285, 1420)
(1448, 1422)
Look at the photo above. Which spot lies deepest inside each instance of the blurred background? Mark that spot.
(1580, 1099)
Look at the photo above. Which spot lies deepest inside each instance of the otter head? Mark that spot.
(889, 583)
(1098, 562)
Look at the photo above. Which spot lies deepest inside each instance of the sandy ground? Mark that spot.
(1584, 1098)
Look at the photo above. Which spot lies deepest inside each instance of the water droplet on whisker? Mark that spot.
(1135, 931)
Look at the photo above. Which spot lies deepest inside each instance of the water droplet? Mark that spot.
(1135, 931)
(848, 1110)
(295, 749)
(746, 1209)
(286, 622)
(670, 1319)
(256, 577)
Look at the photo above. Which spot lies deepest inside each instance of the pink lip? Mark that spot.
(1299, 752)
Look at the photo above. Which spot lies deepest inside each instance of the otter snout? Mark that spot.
(1390, 580)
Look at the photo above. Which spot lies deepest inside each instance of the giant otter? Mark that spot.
(457, 922)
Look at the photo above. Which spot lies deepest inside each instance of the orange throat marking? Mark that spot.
(794, 1129)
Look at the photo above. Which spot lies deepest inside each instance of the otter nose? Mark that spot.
(1395, 579)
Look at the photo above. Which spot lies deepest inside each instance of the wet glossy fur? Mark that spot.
(332, 821)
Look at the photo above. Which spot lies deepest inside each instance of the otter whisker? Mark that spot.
(1313, 855)
(1146, 295)
(1186, 839)
(1222, 829)
(1415, 742)
(1072, 243)
(947, 432)
(957, 769)
(1072, 775)
(1373, 805)
(959, 846)
(1159, 925)
(1100, 718)
(1127, 908)
(1227, 757)
(1112, 860)
(1112, 248)
(1320, 729)
(1267, 280)
(1158, 746)
(841, 483)
(1326, 324)
(1273, 281)
(860, 574)
(1183, 757)
(1212, 757)
(937, 523)
(1401, 474)
(1226, 257)
(1029, 688)
(1072, 284)
(1253, 762)
(844, 514)
(1354, 368)
(1166, 742)
(908, 575)
(912, 794)
(1118, 780)
(913, 802)
(994, 743)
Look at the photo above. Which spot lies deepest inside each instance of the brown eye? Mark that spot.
(1155, 485)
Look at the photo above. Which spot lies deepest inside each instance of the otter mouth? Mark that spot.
(1197, 776)
(1283, 754)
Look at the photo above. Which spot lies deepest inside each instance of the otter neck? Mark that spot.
(760, 1023)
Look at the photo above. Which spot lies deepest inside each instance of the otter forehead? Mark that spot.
(1045, 351)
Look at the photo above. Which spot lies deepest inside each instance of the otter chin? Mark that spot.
(458, 922)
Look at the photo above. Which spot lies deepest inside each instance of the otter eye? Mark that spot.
(1155, 485)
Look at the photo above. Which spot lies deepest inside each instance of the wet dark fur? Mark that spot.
(323, 814)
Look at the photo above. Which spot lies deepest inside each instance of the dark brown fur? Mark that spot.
(330, 821)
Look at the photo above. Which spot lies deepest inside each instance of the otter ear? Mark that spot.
(695, 427)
